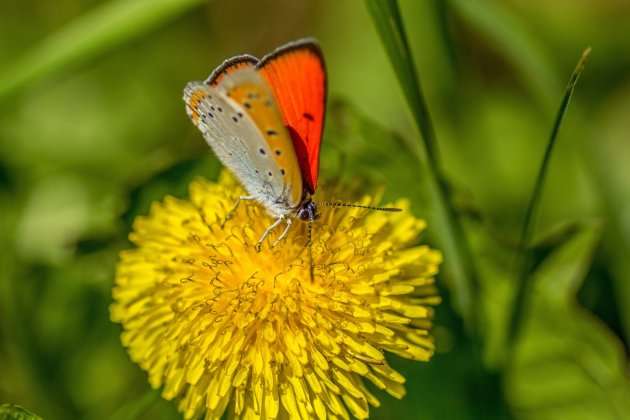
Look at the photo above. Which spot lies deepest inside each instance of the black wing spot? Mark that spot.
(282, 171)
(247, 105)
(269, 173)
(210, 115)
(262, 151)
(272, 133)
(240, 114)
(234, 119)
(212, 107)
(220, 109)
(308, 116)
(278, 152)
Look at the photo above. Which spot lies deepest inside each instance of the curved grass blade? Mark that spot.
(92, 34)
(515, 43)
(524, 250)
(386, 17)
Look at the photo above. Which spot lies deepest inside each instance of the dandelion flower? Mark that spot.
(222, 327)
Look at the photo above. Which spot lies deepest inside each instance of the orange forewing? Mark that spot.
(297, 77)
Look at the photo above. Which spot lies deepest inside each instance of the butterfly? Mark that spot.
(264, 119)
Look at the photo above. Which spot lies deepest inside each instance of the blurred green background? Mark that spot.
(93, 128)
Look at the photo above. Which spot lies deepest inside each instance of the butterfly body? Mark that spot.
(264, 119)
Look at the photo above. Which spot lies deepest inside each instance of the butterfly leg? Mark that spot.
(281, 237)
(267, 232)
(231, 212)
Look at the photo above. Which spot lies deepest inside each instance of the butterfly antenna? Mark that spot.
(390, 209)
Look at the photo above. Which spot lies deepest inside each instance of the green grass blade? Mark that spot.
(386, 17)
(513, 40)
(525, 251)
(92, 34)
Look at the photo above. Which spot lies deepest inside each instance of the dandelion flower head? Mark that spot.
(221, 326)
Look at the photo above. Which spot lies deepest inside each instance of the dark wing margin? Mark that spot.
(230, 65)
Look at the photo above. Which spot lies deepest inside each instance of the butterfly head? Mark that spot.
(307, 211)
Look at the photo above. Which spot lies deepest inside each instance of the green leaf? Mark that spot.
(15, 412)
(567, 363)
(95, 33)
(458, 257)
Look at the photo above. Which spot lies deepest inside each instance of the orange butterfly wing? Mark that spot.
(297, 76)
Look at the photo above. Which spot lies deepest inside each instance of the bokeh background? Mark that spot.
(93, 128)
